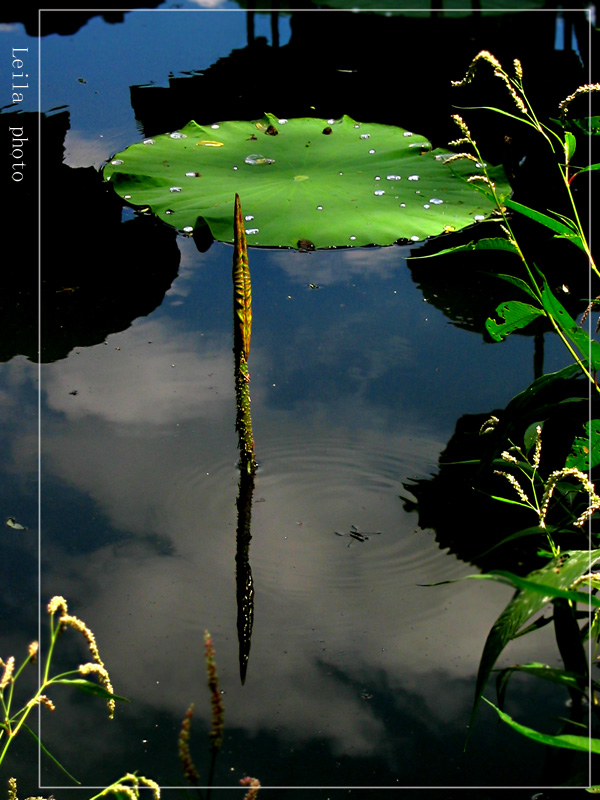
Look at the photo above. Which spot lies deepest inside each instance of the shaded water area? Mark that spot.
(361, 367)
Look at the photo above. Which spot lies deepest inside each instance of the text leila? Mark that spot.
(19, 81)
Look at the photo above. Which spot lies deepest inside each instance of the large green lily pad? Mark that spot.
(327, 183)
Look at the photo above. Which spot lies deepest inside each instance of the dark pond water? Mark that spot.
(358, 675)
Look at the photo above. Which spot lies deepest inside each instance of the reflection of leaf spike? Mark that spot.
(243, 571)
(241, 282)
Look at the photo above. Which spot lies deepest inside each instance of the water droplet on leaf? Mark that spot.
(393, 178)
(175, 189)
(178, 135)
(365, 136)
(413, 177)
(379, 192)
(148, 141)
(256, 159)
(117, 161)
(436, 201)
(251, 231)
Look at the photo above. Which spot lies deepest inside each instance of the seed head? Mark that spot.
(564, 104)
(9, 668)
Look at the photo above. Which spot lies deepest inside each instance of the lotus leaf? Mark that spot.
(302, 182)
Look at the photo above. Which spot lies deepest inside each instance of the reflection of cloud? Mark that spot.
(324, 267)
(142, 377)
(83, 150)
(153, 447)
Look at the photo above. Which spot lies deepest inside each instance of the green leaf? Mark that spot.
(570, 680)
(578, 337)
(515, 315)
(548, 590)
(42, 746)
(565, 740)
(325, 182)
(91, 688)
(589, 168)
(532, 531)
(497, 243)
(585, 452)
(570, 145)
(534, 592)
(564, 231)
(520, 283)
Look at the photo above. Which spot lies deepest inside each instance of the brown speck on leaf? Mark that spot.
(251, 138)
(327, 131)
(271, 131)
(304, 245)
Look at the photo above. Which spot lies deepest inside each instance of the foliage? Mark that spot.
(14, 721)
(565, 499)
(514, 314)
(304, 183)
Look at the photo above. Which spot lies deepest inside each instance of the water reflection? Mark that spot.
(147, 447)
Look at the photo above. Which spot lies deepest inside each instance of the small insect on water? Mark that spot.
(354, 533)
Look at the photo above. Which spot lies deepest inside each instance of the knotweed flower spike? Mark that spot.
(218, 712)
(131, 789)
(9, 668)
(563, 106)
(555, 477)
(515, 484)
(538, 447)
(489, 425)
(44, 700)
(458, 156)
(484, 55)
(66, 620)
(254, 783)
(463, 126)
(183, 749)
(481, 179)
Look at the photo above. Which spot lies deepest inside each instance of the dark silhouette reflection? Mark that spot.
(457, 502)
(243, 571)
(97, 273)
(466, 286)
(242, 333)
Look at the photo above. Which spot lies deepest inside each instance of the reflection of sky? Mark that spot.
(356, 387)
(148, 442)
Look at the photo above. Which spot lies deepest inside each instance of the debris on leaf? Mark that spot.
(12, 523)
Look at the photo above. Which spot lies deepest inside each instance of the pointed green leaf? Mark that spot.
(543, 219)
(536, 590)
(91, 688)
(570, 145)
(569, 741)
(515, 315)
(578, 336)
(497, 243)
(322, 182)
